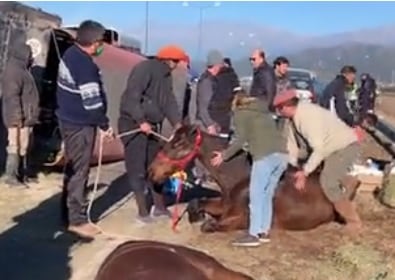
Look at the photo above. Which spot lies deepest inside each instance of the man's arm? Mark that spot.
(237, 145)
(93, 98)
(341, 108)
(292, 146)
(138, 81)
(203, 98)
(171, 109)
(313, 130)
(12, 84)
(269, 83)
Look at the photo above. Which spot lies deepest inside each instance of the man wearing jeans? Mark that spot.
(255, 127)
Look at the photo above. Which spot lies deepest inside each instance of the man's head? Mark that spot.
(364, 76)
(90, 37)
(286, 102)
(172, 55)
(349, 72)
(215, 61)
(257, 58)
(281, 65)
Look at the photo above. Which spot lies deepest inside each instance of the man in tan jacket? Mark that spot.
(323, 137)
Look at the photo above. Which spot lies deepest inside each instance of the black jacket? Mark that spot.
(337, 89)
(264, 84)
(20, 100)
(367, 96)
(221, 102)
(148, 96)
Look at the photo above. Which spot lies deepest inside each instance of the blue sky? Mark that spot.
(310, 18)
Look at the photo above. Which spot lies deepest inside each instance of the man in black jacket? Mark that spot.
(367, 96)
(20, 110)
(147, 100)
(264, 81)
(333, 96)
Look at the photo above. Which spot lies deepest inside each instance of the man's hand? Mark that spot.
(212, 130)
(146, 128)
(108, 134)
(300, 180)
(217, 160)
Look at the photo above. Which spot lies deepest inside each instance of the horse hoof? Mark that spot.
(194, 213)
(209, 226)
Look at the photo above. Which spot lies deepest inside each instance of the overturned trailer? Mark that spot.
(43, 32)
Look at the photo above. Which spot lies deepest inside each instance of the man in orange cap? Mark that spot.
(147, 100)
(323, 137)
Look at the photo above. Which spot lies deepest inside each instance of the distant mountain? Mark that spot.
(236, 39)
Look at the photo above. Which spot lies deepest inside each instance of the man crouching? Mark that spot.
(329, 140)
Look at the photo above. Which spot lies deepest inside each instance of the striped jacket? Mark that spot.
(80, 94)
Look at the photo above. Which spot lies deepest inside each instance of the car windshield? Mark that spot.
(300, 79)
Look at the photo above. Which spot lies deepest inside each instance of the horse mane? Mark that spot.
(230, 173)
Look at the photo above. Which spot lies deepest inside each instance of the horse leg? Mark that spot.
(197, 208)
(224, 224)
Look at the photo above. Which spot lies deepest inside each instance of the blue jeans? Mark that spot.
(265, 175)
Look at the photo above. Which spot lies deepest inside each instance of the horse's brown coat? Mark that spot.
(150, 260)
(293, 210)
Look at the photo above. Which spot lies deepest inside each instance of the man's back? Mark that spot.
(318, 125)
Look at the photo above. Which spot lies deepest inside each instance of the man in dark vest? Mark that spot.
(207, 102)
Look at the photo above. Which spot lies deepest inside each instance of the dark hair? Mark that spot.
(280, 60)
(228, 61)
(348, 69)
(262, 54)
(89, 32)
(292, 102)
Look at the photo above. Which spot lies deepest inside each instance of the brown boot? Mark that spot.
(85, 230)
(348, 211)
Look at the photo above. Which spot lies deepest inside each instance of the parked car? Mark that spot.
(303, 81)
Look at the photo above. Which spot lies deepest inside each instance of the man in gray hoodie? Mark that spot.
(20, 108)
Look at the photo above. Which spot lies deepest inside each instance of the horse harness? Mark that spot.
(182, 163)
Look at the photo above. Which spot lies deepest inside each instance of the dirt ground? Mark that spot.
(29, 221)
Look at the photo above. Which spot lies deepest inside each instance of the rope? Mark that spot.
(110, 235)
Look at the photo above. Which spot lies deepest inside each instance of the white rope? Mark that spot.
(97, 181)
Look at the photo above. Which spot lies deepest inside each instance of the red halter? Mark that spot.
(181, 163)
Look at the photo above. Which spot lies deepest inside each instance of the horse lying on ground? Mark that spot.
(150, 260)
(293, 210)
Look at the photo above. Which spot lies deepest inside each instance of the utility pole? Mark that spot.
(200, 35)
(200, 25)
(146, 27)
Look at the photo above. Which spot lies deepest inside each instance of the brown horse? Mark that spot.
(293, 210)
(150, 260)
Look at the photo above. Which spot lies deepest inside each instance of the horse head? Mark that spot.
(176, 154)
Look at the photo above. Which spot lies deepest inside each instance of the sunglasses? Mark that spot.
(252, 59)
